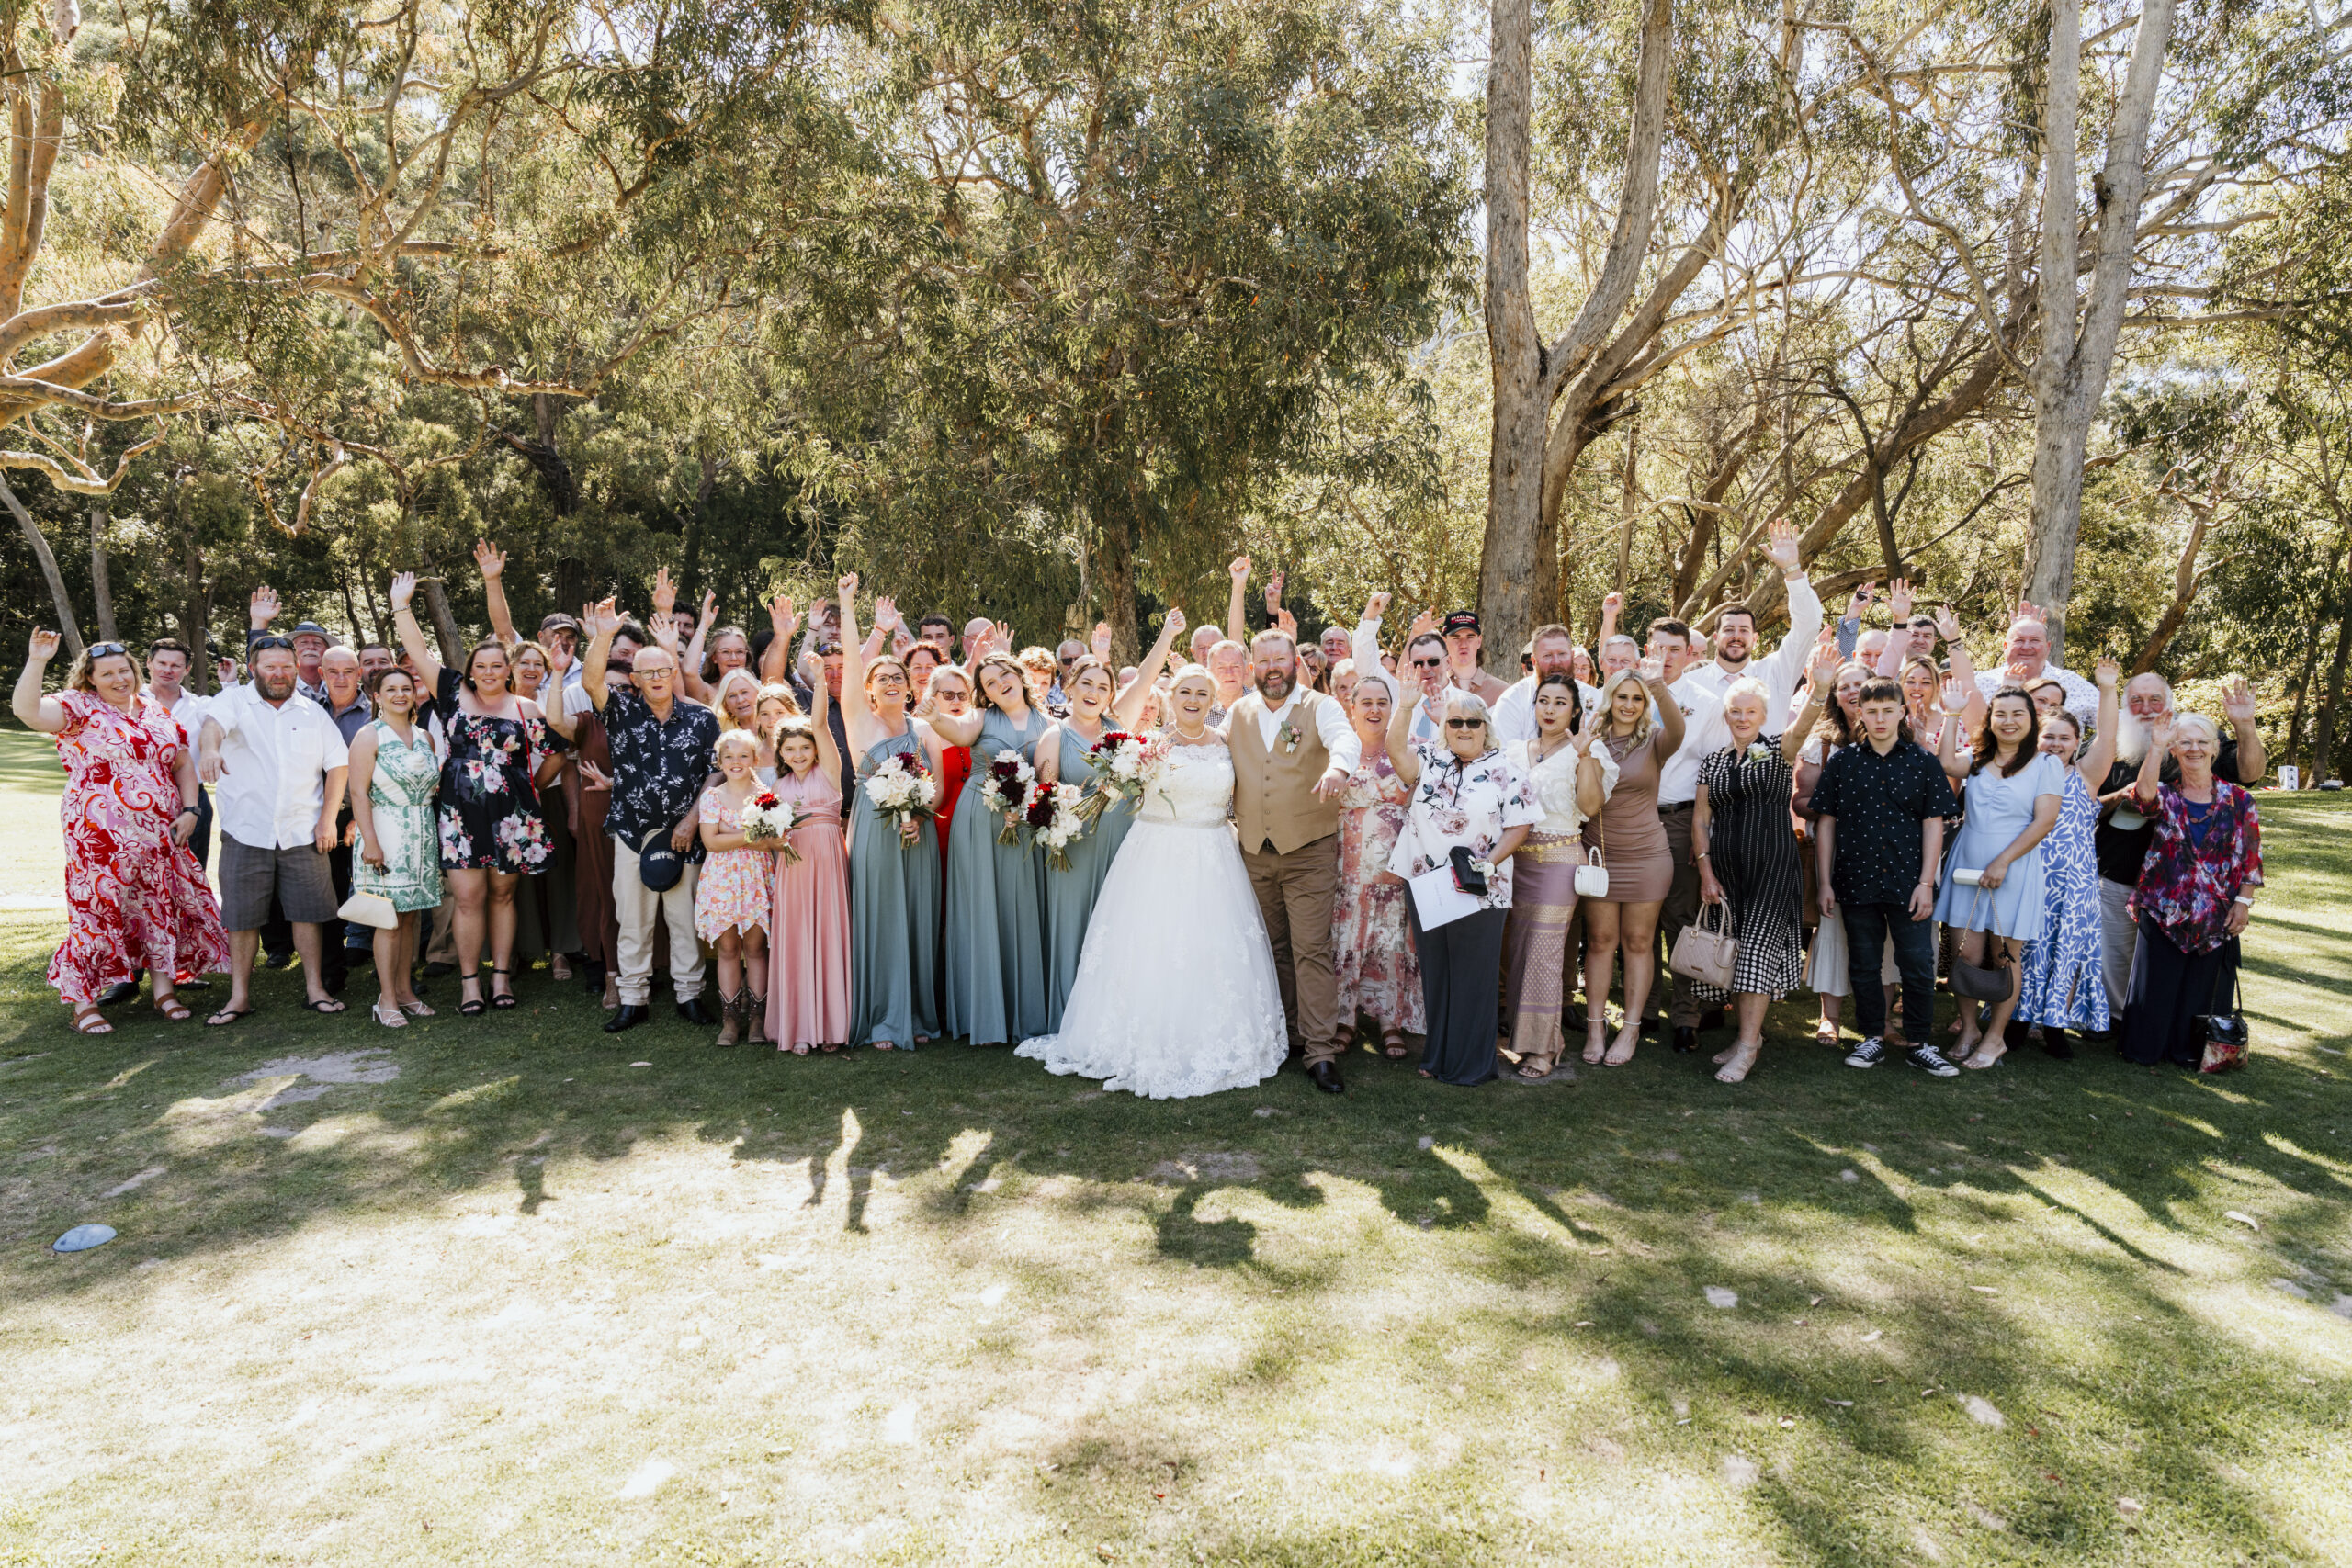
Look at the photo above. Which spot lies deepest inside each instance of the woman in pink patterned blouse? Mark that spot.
(136, 897)
(2195, 894)
(1379, 974)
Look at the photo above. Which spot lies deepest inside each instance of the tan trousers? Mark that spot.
(637, 905)
(1296, 892)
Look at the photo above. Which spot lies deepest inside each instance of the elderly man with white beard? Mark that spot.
(2124, 833)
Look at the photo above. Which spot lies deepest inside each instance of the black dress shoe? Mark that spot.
(1685, 1037)
(439, 967)
(1325, 1077)
(120, 991)
(1650, 1026)
(1712, 1019)
(628, 1016)
(693, 1011)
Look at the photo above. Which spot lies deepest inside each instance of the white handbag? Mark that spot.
(1592, 878)
(365, 909)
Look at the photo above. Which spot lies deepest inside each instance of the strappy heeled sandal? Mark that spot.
(505, 999)
(473, 1006)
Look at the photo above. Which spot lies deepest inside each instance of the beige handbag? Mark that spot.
(365, 908)
(1706, 955)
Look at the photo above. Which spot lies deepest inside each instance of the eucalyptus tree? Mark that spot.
(1162, 237)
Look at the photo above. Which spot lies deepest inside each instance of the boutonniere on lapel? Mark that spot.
(1287, 737)
(1757, 751)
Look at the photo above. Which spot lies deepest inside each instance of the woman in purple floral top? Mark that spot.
(2195, 894)
(1466, 794)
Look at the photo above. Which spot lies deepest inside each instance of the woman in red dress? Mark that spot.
(136, 899)
(949, 691)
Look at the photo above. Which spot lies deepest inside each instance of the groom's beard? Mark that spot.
(1274, 685)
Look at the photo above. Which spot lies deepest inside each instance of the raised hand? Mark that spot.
(2108, 675)
(1239, 569)
(2160, 735)
(591, 776)
(1898, 599)
(263, 607)
(42, 646)
(1826, 664)
(490, 558)
(1376, 607)
(560, 660)
(846, 588)
(603, 619)
(1000, 636)
(780, 618)
(1286, 623)
(1275, 591)
(1650, 669)
(1174, 623)
(1424, 623)
(224, 670)
(710, 607)
(1100, 642)
(1782, 548)
(1947, 624)
(2237, 700)
(1954, 695)
(665, 594)
(885, 613)
(1864, 592)
(403, 591)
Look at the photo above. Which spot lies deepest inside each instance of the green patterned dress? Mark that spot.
(400, 792)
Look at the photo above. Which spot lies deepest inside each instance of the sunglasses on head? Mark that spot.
(264, 644)
(106, 649)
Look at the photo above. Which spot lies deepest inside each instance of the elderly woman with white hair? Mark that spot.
(1469, 812)
(1749, 862)
(1379, 975)
(2195, 894)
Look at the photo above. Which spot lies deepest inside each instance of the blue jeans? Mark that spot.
(1868, 928)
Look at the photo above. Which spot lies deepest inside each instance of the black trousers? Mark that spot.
(1867, 927)
(2170, 989)
(1462, 967)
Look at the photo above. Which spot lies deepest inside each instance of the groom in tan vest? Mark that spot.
(1292, 752)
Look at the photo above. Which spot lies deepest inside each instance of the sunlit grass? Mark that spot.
(946, 1308)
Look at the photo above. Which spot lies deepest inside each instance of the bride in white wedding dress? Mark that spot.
(1176, 994)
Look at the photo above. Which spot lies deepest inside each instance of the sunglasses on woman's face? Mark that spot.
(1465, 724)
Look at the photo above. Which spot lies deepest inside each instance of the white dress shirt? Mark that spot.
(1339, 735)
(274, 762)
(2081, 697)
(1553, 779)
(189, 710)
(1700, 693)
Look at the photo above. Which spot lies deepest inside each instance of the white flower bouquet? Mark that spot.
(902, 791)
(769, 820)
(1052, 819)
(1119, 761)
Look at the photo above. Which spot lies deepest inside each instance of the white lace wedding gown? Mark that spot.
(1176, 994)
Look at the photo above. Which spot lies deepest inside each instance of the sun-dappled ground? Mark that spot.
(506, 1290)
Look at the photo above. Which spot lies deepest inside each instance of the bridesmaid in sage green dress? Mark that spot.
(994, 952)
(893, 875)
(1065, 759)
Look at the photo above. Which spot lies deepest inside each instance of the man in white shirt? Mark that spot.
(2027, 657)
(277, 764)
(1700, 693)
(1555, 654)
(167, 666)
(1292, 752)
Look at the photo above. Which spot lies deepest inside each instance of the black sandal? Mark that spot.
(472, 1007)
(505, 999)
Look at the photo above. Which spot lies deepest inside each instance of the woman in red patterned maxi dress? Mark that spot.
(136, 899)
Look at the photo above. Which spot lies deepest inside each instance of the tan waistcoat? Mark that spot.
(1273, 790)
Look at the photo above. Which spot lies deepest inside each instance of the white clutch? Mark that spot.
(1592, 878)
(374, 909)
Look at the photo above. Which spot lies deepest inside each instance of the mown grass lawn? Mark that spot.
(504, 1291)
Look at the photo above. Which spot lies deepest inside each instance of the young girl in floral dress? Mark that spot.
(735, 898)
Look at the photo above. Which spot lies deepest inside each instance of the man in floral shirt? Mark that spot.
(661, 745)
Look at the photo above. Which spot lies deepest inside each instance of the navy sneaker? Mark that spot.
(1933, 1063)
(1868, 1054)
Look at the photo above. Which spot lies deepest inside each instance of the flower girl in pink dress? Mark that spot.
(808, 1001)
(735, 897)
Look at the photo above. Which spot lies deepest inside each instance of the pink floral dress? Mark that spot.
(138, 900)
(737, 889)
(1379, 974)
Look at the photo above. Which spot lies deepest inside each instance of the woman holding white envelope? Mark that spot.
(1470, 811)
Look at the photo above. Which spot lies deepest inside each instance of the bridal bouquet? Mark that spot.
(902, 790)
(1005, 791)
(1052, 818)
(770, 819)
(1119, 761)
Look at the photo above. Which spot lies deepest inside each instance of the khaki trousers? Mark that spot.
(1296, 892)
(636, 905)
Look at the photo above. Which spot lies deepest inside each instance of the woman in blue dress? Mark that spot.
(1066, 758)
(2011, 790)
(2064, 987)
(893, 872)
(994, 952)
